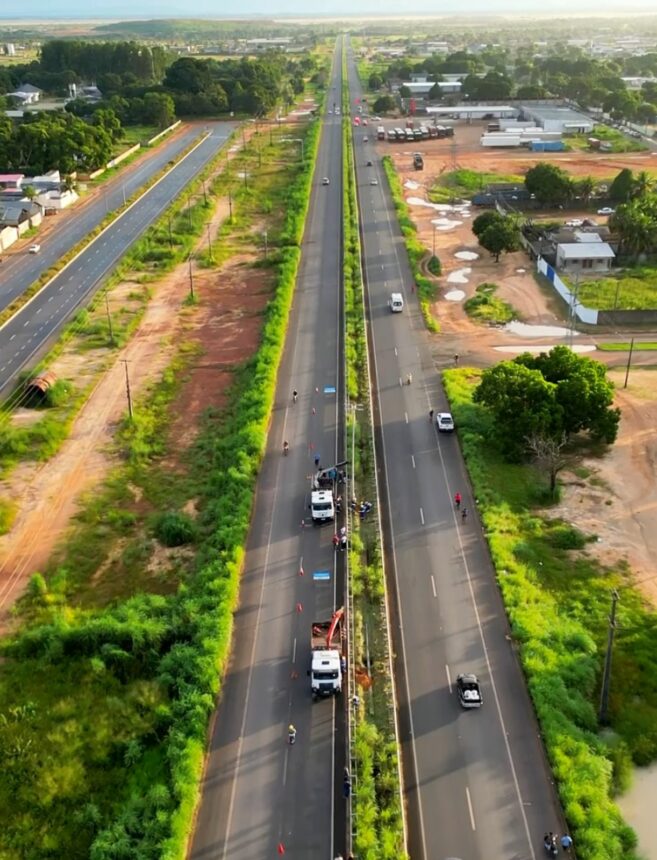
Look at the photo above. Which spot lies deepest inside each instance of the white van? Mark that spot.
(396, 303)
(321, 506)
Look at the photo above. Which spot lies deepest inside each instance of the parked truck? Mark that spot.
(326, 649)
(381, 133)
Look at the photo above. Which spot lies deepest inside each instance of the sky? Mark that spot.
(304, 8)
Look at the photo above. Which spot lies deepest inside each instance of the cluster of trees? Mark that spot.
(552, 186)
(493, 74)
(155, 108)
(47, 141)
(548, 397)
(496, 233)
(635, 220)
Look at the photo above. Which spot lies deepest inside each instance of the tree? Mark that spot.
(642, 185)
(496, 233)
(159, 109)
(620, 189)
(547, 452)
(384, 104)
(585, 188)
(375, 81)
(548, 183)
(531, 91)
(404, 92)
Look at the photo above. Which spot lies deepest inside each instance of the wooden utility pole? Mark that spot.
(109, 319)
(127, 388)
(606, 674)
(629, 362)
(191, 278)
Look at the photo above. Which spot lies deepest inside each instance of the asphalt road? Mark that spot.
(476, 781)
(258, 791)
(20, 269)
(31, 329)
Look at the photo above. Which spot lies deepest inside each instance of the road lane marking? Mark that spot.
(396, 353)
(406, 417)
(422, 515)
(12, 337)
(294, 650)
(449, 680)
(413, 460)
(433, 586)
(26, 323)
(467, 795)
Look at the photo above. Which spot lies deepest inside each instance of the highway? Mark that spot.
(476, 781)
(259, 792)
(20, 269)
(31, 329)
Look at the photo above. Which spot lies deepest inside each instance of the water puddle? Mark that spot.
(412, 186)
(533, 348)
(638, 808)
(526, 330)
(455, 296)
(458, 276)
(466, 255)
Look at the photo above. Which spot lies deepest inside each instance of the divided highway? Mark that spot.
(29, 331)
(19, 269)
(476, 781)
(259, 792)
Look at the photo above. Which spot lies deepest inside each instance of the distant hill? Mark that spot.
(189, 29)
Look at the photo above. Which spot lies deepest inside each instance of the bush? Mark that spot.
(174, 529)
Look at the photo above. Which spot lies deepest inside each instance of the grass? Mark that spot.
(557, 598)
(625, 346)
(486, 307)
(619, 141)
(626, 289)
(464, 183)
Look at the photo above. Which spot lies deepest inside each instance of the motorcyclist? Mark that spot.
(286, 446)
(295, 394)
(291, 734)
(457, 500)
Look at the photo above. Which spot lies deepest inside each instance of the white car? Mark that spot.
(575, 222)
(606, 210)
(365, 139)
(34, 249)
(445, 422)
(326, 181)
(374, 181)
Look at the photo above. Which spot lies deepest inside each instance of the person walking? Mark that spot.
(456, 359)
(457, 500)
(431, 415)
(317, 459)
(566, 843)
(409, 379)
(336, 541)
(464, 514)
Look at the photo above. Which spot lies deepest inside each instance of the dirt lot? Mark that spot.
(617, 500)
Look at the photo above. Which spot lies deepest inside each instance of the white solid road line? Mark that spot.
(294, 650)
(422, 515)
(449, 680)
(470, 810)
(406, 417)
(433, 586)
(413, 460)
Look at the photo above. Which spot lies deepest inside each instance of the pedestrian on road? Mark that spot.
(464, 514)
(457, 500)
(431, 415)
(409, 379)
(343, 543)
(336, 541)
(456, 359)
(317, 459)
(566, 842)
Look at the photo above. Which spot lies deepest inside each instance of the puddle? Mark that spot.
(449, 226)
(516, 350)
(455, 296)
(458, 276)
(412, 186)
(638, 807)
(445, 223)
(525, 330)
(466, 255)
(520, 271)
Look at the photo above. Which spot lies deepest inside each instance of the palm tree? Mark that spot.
(643, 184)
(586, 187)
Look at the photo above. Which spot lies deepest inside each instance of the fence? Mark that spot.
(584, 314)
(162, 133)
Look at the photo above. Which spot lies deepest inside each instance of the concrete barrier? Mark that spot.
(124, 155)
(95, 174)
(162, 133)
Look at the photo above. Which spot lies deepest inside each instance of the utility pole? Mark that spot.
(127, 388)
(629, 362)
(230, 206)
(606, 675)
(210, 244)
(573, 312)
(266, 245)
(189, 211)
(109, 319)
(191, 277)
(205, 194)
(170, 233)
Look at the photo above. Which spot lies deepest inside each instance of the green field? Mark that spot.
(631, 289)
(619, 141)
(465, 183)
(624, 347)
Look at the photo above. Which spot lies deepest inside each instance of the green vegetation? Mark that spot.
(426, 289)
(624, 347)
(635, 219)
(463, 183)
(108, 685)
(497, 233)
(627, 289)
(619, 142)
(378, 820)
(558, 603)
(486, 307)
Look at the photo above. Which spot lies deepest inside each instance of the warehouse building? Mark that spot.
(557, 118)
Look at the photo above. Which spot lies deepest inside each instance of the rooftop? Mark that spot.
(586, 250)
(563, 114)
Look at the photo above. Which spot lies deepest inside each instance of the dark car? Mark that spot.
(369, 163)
(469, 691)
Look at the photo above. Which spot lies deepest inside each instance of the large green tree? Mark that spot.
(549, 184)
(496, 233)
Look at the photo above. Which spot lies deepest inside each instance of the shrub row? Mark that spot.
(559, 655)
(182, 641)
(378, 822)
(426, 289)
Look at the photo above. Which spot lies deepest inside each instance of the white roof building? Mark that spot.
(585, 257)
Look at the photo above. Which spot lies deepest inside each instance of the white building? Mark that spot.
(558, 118)
(27, 94)
(584, 257)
